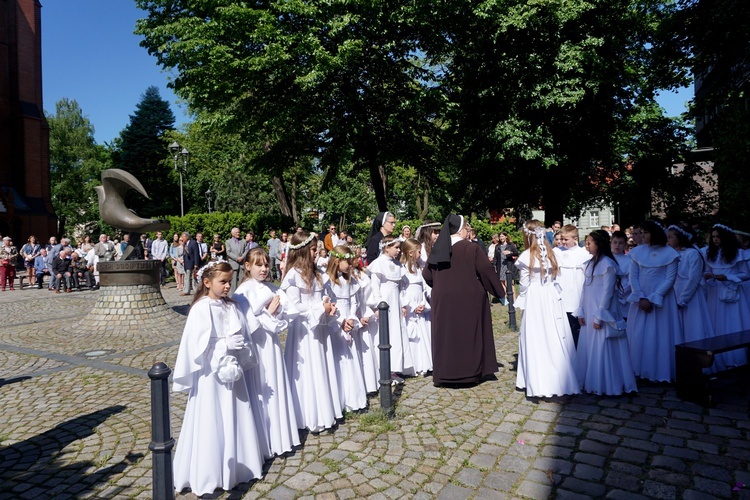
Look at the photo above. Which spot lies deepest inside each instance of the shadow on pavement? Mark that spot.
(30, 465)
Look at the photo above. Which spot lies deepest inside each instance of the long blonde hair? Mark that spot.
(531, 241)
(407, 247)
(301, 260)
(257, 255)
(333, 263)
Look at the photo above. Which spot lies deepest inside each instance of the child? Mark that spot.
(219, 445)
(321, 261)
(571, 258)
(343, 292)
(367, 340)
(273, 309)
(726, 270)
(546, 354)
(386, 272)
(416, 308)
(603, 358)
(617, 244)
(653, 324)
(308, 353)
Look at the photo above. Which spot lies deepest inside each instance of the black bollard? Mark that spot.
(509, 294)
(386, 398)
(161, 433)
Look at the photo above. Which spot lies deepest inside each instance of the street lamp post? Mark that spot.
(185, 154)
(208, 198)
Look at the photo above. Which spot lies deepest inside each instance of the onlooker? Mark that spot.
(331, 239)
(274, 255)
(8, 255)
(250, 242)
(61, 270)
(80, 271)
(203, 249)
(551, 231)
(217, 248)
(30, 252)
(40, 267)
(236, 252)
(191, 261)
(176, 252)
(105, 249)
(160, 251)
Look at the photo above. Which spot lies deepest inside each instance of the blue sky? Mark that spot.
(90, 54)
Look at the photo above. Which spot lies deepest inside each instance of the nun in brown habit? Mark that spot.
(463, 347)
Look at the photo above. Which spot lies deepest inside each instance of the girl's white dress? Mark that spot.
(367, 336)
(623, 291)
(352, 391)
(309, 356)
(603, 363)
(274, 391)
(418, 328)
(218, 445)
(385, 275)
(546, 354)
(653, 335)
(727, 303)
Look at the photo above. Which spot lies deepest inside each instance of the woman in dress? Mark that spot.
(546, 354)
(176, 253)
(217, 248)
(29, 252)
(506, 254)
(653, 323)
(726, 270)
(603, 357)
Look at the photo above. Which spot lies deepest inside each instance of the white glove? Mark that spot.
(234, 342)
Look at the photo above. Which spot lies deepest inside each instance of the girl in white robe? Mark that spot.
(308, 353)
(546, 353)
(219, 445)
(385, 273)
(343, 291)
(653, 323)
(603, 357)
(274, 311)
(618, 243)
(726, 270)
(416, 307)
(368, 334)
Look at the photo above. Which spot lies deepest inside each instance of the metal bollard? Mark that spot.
(161, 433)
(509, 293)
(386, 396)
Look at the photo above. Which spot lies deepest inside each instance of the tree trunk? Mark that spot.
(379, 183)
(281, 196)
(422, 205)
(293, 200)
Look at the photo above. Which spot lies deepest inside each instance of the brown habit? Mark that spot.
(463, 347)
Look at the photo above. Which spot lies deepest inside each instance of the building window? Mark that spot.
(594, 219)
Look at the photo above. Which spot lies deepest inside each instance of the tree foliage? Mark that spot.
(142, 152)
(76, 162)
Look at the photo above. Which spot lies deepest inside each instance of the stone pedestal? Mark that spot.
(130, 296)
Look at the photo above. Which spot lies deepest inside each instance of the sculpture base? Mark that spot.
(130, 295)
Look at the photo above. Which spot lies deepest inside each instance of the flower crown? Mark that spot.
(538, 231)
(681, 231)
(303, 243)
(659, 226)
(211, 264)
(722, 226)
(390, 243)
(347, 255)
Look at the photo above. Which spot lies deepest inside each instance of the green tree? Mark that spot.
(142, 152)
(76, 162)
(339, 81)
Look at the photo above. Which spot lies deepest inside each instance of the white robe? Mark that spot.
(546, 353)
(385, 275)
(352, 391)
(603, 357)
(653, 335)
(219, 445)
(728, 316)
(367, 338)
(274, 393)
(571, 262)
(309, 356)
(623, 291)
(418, 328)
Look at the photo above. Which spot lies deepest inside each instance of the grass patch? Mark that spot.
(332, 464)
(376, 421)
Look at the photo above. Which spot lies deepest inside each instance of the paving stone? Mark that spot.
(588, 472)
(652, 489)
(670, 463)
(589, 488)
(501, 481)
(590, 459)
(534, 490)
(622, 481)
(717, 488)
(470, 477)
(630, 455)
(453, 492)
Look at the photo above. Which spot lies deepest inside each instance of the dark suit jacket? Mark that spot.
(192, 254)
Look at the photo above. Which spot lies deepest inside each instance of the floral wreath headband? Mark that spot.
(538, 231)
(303, 243)
(390, 243)
(346, 256)
(660, 226)
(722, 226)
(681, 231)
(211, 264)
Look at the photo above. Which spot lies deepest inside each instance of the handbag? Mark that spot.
(729, 292)
(615, 330)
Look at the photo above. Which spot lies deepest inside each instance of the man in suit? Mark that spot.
(236, 252)
(192, 259)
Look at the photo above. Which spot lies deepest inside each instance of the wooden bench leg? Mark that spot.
(691, 385)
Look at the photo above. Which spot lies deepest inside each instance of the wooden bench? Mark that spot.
(692, 357)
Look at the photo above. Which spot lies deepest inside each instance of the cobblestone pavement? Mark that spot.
(74, 425)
